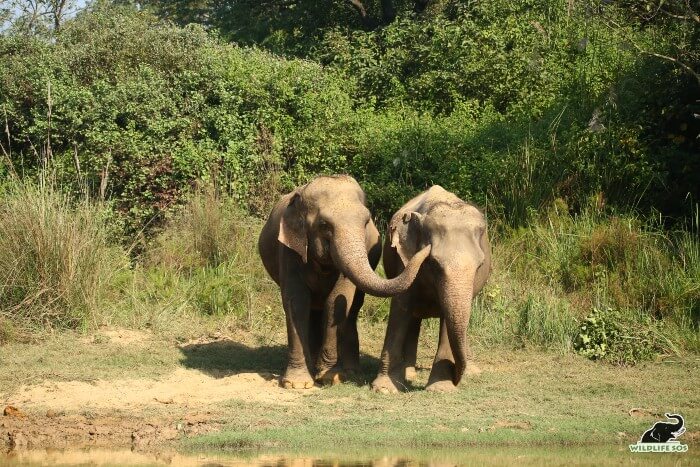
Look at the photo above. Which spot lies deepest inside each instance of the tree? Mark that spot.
(37, 16)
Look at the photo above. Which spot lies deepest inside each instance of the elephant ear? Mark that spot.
(405, 230)
(292, 232)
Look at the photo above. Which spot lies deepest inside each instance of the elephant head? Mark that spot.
(459, 262)
(326, 221)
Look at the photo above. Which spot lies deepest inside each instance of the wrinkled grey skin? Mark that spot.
(456, 270)
(321, 247)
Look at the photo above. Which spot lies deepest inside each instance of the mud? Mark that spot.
(94, 430)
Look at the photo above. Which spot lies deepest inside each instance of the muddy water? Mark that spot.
(564, 456)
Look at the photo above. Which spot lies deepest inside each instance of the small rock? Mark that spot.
(51, 413)
(11, 411)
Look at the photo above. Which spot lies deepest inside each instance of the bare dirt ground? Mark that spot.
(133, 412)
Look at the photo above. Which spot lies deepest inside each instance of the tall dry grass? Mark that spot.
(56, 260)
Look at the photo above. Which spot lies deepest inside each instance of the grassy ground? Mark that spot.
(522, 397)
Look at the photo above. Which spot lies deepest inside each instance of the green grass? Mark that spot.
(202, 272)
(69, 356)
(522, 398)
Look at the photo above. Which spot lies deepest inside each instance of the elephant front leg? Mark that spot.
(443, 369)
(349, 347)
(410, 348)
(336, 310)
(391, 375)
(296, 300)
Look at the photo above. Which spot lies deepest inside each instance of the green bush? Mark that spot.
(549, 275)
(606, 335)
(148, 109)
(205, 261)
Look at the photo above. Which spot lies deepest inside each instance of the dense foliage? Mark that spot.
(509, 104)
(155, 109)
(543, 112)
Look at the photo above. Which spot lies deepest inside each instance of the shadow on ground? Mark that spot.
(225, 357)
(222, 358)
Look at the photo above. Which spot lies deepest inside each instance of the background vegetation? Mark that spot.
(143, 142)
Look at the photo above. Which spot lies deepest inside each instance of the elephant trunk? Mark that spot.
(456, 299)
(350, 254)
(679, 421)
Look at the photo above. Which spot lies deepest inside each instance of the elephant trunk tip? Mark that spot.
(459, 372)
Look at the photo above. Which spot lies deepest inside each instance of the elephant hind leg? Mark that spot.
(441, 374)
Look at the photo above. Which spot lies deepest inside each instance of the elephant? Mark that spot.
(320, 246)
(456, 270)
(663, 432)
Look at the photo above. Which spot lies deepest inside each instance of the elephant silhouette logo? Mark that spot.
(662, 437)
(663, 432)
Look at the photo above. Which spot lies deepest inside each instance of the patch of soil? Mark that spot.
(133, 413)
(184, 387)
(100, 430)
(500, 424)
(119, 336)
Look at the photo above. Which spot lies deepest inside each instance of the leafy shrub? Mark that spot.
(149, 109)
(205, 260)
(606, 335)
(205, 232)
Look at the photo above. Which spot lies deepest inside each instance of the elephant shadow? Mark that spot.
(225, 357)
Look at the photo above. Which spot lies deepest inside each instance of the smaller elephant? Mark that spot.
(663, 432)
(455, 271)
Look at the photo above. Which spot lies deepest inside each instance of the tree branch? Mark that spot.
(677, 62)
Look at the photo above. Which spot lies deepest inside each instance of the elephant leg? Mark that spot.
(315, 334)
(410, 348)
(350, 342)
(336, 310)
(296, 300)
(391, 375)
(440, 379)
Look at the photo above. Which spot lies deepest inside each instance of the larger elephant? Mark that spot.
(456, 270)
(320, 246)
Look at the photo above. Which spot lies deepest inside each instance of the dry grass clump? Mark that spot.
(55, 259)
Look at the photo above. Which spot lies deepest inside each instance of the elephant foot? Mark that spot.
(411, 373)
(441, 386)
(295, 378)
(384, 384)
(331, 377)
